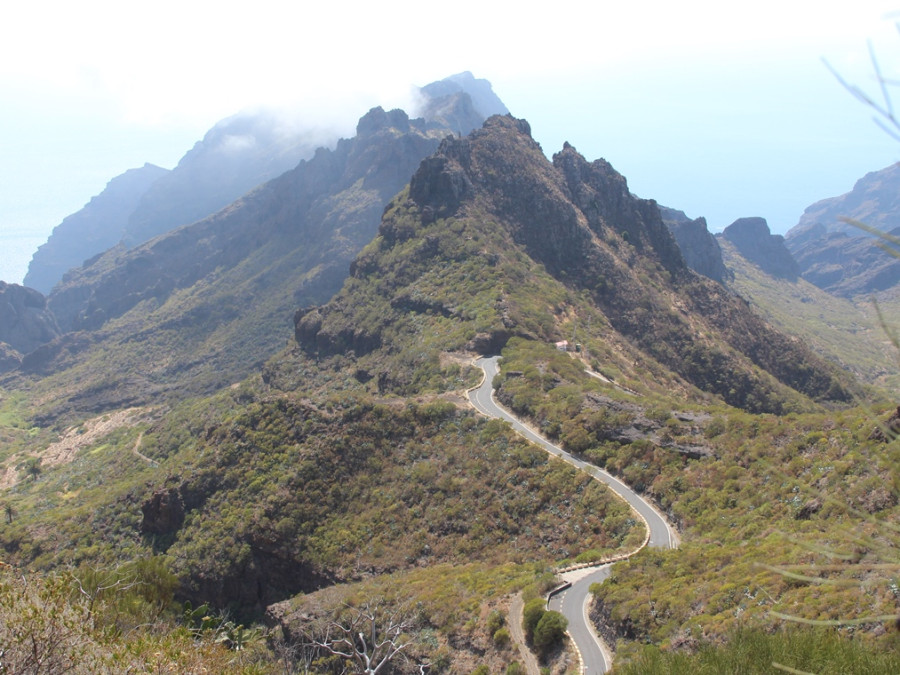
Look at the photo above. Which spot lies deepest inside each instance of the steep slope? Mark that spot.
(836, 256)
(491, 241)
(235, 156)
(841, 330)
(95, 228)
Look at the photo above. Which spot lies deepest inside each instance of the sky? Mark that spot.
(720, 110)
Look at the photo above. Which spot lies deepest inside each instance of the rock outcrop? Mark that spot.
(699, 247)
(753, 240)
(25, 323)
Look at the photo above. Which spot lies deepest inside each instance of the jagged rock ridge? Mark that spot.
(576, 221)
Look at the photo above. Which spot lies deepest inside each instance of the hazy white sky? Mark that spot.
(720, 110)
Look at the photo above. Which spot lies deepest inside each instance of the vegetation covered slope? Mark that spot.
(348, 467)
(844, 331)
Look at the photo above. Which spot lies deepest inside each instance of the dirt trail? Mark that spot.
(74, 439)
(518, 635)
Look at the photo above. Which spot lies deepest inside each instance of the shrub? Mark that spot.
(531, 616)
(495, 621)
(549, 631)
(502, 638)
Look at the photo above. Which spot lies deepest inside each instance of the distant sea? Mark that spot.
(16, 249)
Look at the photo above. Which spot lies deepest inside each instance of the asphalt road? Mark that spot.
(572, 602)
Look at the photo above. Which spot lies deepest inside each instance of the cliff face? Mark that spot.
(840, 258)
(843, 264)
(95, 228)
(874, 200)
(25, 323)
(697, 244)
(754, 241)
(507, 229)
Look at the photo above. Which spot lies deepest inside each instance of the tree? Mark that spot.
(550, 631)
(531, 615)
(370, 637)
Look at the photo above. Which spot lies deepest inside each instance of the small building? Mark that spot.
(563, 346)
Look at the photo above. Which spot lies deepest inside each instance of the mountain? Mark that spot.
(840, 258)
(236, 155)
(874, 200)
(751, 236)
(95, 228)
(343, 468)
(489, 227)
(204, 305)
(480, 91)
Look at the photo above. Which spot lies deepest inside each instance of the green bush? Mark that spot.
(495, 621)
(502, 638)
(531, 616)
(550, 631)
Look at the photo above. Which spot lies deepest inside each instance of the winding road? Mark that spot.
(573, 602)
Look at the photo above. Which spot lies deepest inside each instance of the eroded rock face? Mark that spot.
(839, 257)
(699, 247)
(10, 359)
(163, 512)
(25, 321)
(754, 241)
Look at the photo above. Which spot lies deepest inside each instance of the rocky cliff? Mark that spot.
(95, 228)
(699, 247)
(840, 258)
(25, 323)
(752, 238)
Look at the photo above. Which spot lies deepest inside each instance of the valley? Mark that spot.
(418, 374)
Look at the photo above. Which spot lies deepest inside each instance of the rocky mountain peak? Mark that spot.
(377, 119)
(754, 241)
(485, 102)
